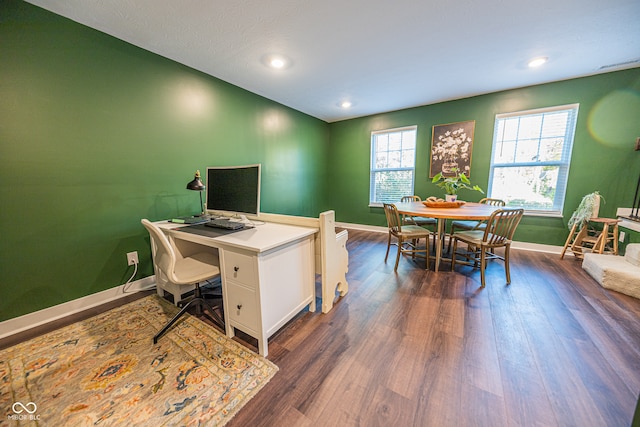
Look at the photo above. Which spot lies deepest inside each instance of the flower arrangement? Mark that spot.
(450, 147)
(451, 184)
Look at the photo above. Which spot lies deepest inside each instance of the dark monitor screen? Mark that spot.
(234, 189)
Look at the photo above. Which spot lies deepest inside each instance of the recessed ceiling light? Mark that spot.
(277, 62)
(346, 104)
(536, 62)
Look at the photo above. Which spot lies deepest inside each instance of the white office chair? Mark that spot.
(192, 269)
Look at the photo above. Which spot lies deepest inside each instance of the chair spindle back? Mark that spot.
(501, 226)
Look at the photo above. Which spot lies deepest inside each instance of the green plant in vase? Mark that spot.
(452, 184)
(588, 208)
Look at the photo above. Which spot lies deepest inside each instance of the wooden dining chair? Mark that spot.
(497, 233)
(430, 223)
(474, 225)
(417, 220)
(408, 236)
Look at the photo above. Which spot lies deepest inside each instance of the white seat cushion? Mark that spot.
(632, 253)
(409, 231)
(613, 272)
(470, 225)
(421, 220)
(472, 236)
(197, 268)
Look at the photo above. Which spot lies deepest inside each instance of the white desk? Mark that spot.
(268, 275)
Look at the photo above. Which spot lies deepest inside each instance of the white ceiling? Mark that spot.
(382, 55)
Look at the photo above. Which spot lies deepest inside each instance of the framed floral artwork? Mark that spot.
(451, 146)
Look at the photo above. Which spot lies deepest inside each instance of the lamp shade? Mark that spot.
(196, 183)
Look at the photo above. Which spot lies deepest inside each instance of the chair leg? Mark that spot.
(426, 253)
(598, 248)
(568, 242)
(172, 321)
(472, 254)
(388, 246)
(453, 254)
(199, 302)
(506, 264)
(434, 239)
(214, 317)
(395, 268)
(414, 243)
(451, 234)
(483, 265)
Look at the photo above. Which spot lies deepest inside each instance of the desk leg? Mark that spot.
(440, 242)
(229, 329)
(263, 349)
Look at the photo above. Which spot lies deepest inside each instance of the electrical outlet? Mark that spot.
(621, 236)
(132, 258)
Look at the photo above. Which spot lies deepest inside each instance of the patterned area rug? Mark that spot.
(106, 371)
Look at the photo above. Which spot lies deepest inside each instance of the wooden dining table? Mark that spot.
(468, 211)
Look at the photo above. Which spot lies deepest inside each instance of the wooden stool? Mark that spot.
(593, 240)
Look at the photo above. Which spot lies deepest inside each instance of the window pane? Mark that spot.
(382, 142)
(408, 158)
(554, 124)
(510, 129)
(394, 159)
(395, 141)
(381, 160)
(551, 149)
(505, 152)
(530, 127)
(409, 140)
(527, 151)
(532, 187)
(390, 186)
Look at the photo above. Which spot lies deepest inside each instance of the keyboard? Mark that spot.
(225, 224)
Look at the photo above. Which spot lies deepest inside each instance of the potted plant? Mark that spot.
(451, 184)
(588, 208)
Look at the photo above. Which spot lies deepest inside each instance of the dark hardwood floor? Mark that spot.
(420, 348)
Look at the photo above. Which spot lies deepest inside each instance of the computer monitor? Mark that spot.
(233, 190)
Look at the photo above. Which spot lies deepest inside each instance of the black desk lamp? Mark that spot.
(197, 185)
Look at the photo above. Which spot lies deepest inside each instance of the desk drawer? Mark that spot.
(240, 268)
(243, 307)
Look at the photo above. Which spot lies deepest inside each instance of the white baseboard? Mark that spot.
(538, 247)
(524, 246)
(362, 227)
(37, 318)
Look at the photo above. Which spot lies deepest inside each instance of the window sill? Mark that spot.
(543, 214)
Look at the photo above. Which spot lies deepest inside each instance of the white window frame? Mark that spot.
(374, 170)
(563, 164)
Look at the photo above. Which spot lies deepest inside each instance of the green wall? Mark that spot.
(96, 133)
(603, 155)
